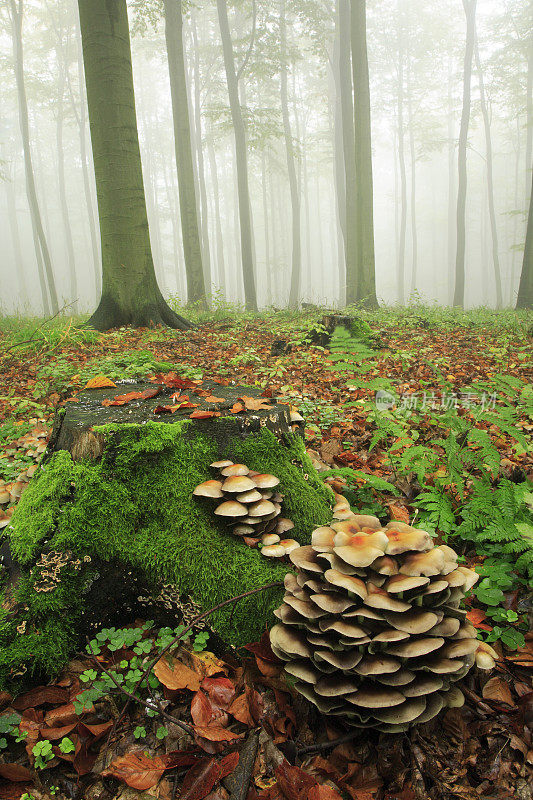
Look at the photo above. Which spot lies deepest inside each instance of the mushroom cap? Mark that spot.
(352, 585)
(303, 670)
(346, 629)
(283, 525)
(243, 530)
(423, 685)
(425, 563)
(448, 627)
(377, 665)
(237, 483)
(346, 659)
(461, 647)
(403, 583)
(454, 698)
(305, 558)
(322, 539)
(413, 621)
(402, 677)
(289, 545)
(231, 508)
(360, 539)
(273, 551)
(234, 469)
(379, 598)
(359, 555)
(5, 497)
(221, 464)
(261, 509)
(335, 685)
(406, 712)
(270, 538)
(416, 647)
(390, 635)
(471, 578)
(209, 489)
(347, 526)
(251, 496)
(286, 643)
(290, 582)
(265, 481)
(402, 538)
(370, 696)
(385, 565)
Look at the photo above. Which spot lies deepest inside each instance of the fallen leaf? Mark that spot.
(39, 696)
(207, 664)
(220, 690)
(498, 691)
(212, 399)
(399, 513)
(237, 408)
(476, 617)
(123, 399)
(174, 408)
(100, 382)
(136, 769)
(254, 403)
(174, 674)
(323, 793)
(204, 414)
(214, 733)
(200, 779)
(15, 772)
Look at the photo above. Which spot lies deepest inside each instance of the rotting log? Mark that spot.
(358, 328)
(108, 530)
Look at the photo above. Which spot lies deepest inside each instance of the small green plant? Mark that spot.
(140, 732)
(42, 752)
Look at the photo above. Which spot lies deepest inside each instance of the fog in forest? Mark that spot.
(289, 65)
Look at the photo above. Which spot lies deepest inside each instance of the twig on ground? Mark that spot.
(31, 339)
(242, 774)
(321, 746)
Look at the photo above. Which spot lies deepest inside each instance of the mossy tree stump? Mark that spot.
(109, 530)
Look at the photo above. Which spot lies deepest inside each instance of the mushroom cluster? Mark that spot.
(371, 626)
(252, 505)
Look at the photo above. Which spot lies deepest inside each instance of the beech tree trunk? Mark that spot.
(44, 261)
(184, 161)
(241, 158)
(401, 159)
(459, 292)
(69, 240)
(130, 294)
(525, 290)
(348, 142)
(366, 284)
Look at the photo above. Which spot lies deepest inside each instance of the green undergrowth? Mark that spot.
(135, 505)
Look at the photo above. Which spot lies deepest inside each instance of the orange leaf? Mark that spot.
(323, 793)
(204, 414)
(212, 399)
(399, 512)
(175, 675)
(122, 399)
(100, 382)
(214, 733)
(498, 690)
(237, 408)
(476, 617)
(137, 770)
(254, 403)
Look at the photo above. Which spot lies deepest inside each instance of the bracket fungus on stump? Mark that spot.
(371, 626)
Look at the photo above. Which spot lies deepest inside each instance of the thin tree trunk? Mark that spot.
(337, 141)
(517, 182)
(452, 227)
(71, 259)
(459, 291)
(529, 105)
(218, 221)
(87, 189)
(268, 266)
(241, 159)
(363, 157)
(184, 159)
(401, 158)
(204, 215)
(525, 290)
(296, 271)
(43, 257)
(275, 240)
(130, 294)
(490, 179)
(412, 152)
(15, 237)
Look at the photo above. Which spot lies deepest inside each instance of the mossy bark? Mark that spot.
(134, 506)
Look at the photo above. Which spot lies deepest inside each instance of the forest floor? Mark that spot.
(424, 417)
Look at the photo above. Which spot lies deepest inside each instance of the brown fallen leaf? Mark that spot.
(137, 770)
(174, 674)
(212, 399)
(204, 414)
(255, 403)
(214, 733)
(15, 773)
(498, 691)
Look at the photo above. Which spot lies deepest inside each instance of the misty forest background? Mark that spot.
(294, 78)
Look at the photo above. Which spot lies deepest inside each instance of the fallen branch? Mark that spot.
(242, 774)
(321, 746)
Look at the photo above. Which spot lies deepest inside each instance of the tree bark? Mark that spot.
(296, 272)
(363, 157)
(401, 159)
(451, 186)
(412, 152)
(69, 240)
(470, 12)
(130, 294)
(184, 161)
(266, 224)
(218, 220)
(15, 237)
(241, 159)
(348, 142)
(44, 261)
(490, 179)
(340, 180)
(525, 290)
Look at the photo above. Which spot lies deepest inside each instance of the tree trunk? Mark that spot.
(451, 186)
(296, 272)
(241, 159)
(71, 259)
(15, 237)
(340, 180)
(401, 158)
(182, 142)
(44, 261)
(525, 290)
(412, 151)
(82, 122)
(348, 134)
(265, 222)
(363, 157)
(130, 294)
(490, 180)
(218, 221)
(470, 12)
(529, 105)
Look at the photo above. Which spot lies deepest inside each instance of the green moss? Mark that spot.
(136, 506)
